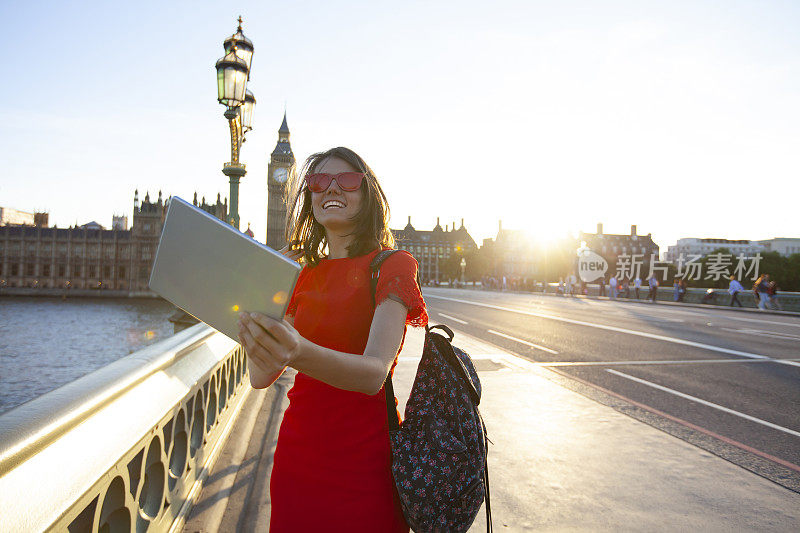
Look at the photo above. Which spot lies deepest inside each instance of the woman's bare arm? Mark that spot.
(274, 345)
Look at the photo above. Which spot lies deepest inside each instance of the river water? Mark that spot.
(47, 342)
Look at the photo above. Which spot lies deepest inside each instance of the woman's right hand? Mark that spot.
(294, 255)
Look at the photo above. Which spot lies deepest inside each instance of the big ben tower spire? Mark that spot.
(281, 165)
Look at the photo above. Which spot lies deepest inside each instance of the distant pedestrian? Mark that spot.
(612, 287)
(637, 284)
(676, 287)
(734, 288)
(681, 289)
(626, 288)
(761, 290)
(653, 283)
(602, 290)
(772, 293)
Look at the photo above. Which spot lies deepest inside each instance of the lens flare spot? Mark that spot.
(355, 278)
(149, 335)
(235, 308)
(280, 297)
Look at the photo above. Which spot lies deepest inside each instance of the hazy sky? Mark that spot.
(680, 117)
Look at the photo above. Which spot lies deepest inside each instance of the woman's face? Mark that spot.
(335, 208)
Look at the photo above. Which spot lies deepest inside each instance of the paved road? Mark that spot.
(733, 377)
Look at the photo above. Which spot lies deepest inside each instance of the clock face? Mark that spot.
(280, 175)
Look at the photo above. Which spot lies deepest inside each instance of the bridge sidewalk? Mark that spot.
(560, 461)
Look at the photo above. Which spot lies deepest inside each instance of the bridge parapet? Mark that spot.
(127, 447)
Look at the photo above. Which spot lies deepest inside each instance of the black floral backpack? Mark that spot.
(439, 453)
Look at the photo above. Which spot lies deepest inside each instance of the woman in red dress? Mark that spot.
(332, 466)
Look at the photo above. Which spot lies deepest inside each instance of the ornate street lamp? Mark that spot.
(233, 72)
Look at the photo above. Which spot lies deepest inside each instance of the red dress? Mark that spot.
(332, 466)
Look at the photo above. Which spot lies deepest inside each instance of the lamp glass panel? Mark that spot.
(229, 84)
(240, 85)
(247, 114)
(225, 86)
(234, 86)
(221, 85)
(246, 55)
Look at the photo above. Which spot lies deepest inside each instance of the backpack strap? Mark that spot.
(446, 349)
(488, 498)
(375, 270)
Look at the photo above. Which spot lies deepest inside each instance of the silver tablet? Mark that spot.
(213, 271)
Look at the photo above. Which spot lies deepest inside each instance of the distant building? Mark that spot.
(92, 225)
(783, 246)
(9, 217)
(40, 219)
(119, 222)
(432, 248)
(88, 257)
(218, 210)
(703, 247)
(512, 252)
(611, 246)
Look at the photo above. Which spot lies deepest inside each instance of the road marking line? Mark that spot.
(656, 310)
(665, 362)
(538, 347)
(762, 333)
(681, 421)
(757, 320)
(619, 330)
(640, 316)
(454, 319)
(707, 403)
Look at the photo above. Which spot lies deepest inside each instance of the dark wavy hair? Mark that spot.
(371, 222)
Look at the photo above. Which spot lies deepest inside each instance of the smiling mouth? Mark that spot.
(333, 204)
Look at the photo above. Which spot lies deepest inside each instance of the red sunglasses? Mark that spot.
(347, 181)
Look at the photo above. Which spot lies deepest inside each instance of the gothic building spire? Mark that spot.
(284, 127)
(283, 150)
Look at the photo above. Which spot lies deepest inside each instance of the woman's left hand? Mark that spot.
(275, 344)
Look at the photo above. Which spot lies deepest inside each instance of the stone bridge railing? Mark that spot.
(127, 447)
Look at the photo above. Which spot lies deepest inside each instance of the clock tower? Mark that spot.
(280, 168)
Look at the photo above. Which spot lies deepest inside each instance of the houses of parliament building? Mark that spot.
(88, 256)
